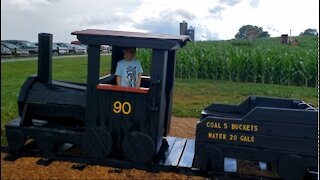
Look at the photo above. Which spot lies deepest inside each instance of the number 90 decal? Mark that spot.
(119, 107)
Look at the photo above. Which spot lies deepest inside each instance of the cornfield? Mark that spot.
(257, 61)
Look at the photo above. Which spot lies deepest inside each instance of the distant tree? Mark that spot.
(263, 34)
(250, 32)
(310, 31)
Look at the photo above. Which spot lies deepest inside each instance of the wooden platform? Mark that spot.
(177, 157)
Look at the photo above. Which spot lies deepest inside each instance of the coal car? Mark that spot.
(282, 132)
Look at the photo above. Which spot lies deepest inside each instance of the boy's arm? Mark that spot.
(138, 81)
(118, 79)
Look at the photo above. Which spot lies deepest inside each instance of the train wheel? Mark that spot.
(138, 147)
(291, 167)
(16, 139)
(45, 142)
(210, 158)
(97, 142)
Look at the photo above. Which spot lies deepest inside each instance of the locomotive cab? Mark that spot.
(135, 120)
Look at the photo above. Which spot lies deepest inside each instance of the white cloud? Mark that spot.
(22, 5)
(24, 19)
(254, 3)
(216, 11)
(230, 2)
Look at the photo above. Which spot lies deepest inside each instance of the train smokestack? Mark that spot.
(44, 58)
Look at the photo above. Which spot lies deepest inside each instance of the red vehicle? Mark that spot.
(79, 44)
(76, 42)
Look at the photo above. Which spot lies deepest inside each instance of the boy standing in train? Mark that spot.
(128, 69)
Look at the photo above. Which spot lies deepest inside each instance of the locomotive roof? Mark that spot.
(135, 39)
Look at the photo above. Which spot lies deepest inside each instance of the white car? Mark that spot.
(77, 49)
(59, 50)
(15, 50)
(106, 49)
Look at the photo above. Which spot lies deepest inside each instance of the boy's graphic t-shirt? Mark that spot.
(128, 72)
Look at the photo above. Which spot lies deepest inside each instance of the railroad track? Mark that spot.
(67, 153)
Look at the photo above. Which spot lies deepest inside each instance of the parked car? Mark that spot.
(84, 46)
(15, 50)
(66, 45)
(26, 45)
(77, 49)
(79, 43)
(5, 50)
(75, 42)
(56, 49)
(106, 49)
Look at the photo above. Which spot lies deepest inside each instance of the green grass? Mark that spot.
(190, 95)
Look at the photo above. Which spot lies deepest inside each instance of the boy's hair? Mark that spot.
(129, 48)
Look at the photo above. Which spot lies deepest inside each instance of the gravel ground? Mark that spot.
(26, 168)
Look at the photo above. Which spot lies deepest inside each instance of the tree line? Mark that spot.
(252, 32)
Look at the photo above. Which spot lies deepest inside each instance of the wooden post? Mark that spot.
(171, 66)
(117, 55)
(92, 81)
(157, 95)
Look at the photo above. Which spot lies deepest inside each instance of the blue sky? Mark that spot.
(212, 19)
